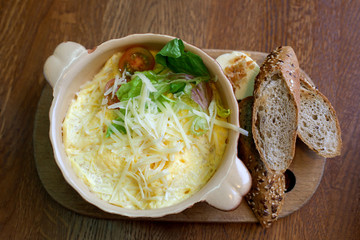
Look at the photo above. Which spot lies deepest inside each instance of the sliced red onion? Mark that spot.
(202, 95)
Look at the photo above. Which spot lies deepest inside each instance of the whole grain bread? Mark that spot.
(319, 127)
(266, 196)
(276, 108)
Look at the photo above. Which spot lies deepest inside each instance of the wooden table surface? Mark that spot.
(324, 34)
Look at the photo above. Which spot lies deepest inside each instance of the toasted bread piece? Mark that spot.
(266, 196)
(276, 108)
(319, 127)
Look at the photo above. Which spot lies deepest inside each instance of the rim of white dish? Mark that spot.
(71, 177)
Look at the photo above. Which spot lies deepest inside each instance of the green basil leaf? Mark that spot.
(174, 49)
(177, 87)
(173, 56)
(189, 63)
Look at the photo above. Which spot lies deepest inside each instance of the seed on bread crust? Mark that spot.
(275, 110)
(268, 187)
(319, 126)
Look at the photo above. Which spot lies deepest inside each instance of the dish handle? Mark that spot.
(236, 185)
(64, 55)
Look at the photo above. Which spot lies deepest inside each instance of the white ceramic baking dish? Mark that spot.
(71, 65)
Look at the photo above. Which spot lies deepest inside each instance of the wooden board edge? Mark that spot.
(181, 217)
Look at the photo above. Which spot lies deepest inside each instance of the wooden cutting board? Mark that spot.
(306, 166)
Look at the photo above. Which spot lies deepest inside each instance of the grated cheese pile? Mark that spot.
(158, 162)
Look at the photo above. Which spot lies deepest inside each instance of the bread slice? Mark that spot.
(319, 127)
(276, 107)
(266, 196)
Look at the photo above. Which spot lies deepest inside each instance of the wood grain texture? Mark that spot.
(324, 34)
(307, 166)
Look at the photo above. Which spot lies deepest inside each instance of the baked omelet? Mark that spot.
(157, 161)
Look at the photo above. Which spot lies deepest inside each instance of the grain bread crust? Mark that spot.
(276, 108)
(266, 196)
(319, 126)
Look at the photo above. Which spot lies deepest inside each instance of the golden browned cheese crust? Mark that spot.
(266, 196)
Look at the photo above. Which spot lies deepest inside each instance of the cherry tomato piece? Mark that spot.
(136, 59)
(111, 100)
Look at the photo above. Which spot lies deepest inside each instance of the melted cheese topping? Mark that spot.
(157, 163)
(241, 70)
